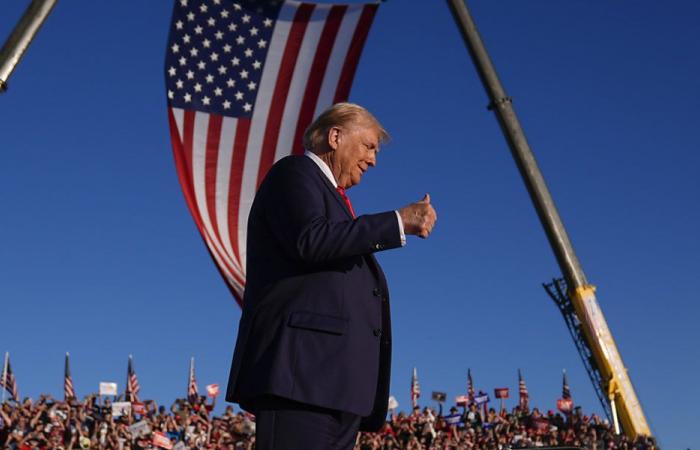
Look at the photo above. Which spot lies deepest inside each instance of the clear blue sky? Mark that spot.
(100, 257)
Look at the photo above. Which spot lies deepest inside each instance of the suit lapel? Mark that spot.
(330, 187)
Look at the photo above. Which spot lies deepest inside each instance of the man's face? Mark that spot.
(356, 146)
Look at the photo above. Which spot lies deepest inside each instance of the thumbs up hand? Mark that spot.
(419, 218)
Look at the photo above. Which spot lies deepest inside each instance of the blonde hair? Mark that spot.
(340, 114)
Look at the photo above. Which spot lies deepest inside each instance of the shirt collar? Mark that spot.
(323, 166)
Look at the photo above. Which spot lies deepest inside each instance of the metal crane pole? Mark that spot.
(23, 34)
(604, 355)
(501, 103)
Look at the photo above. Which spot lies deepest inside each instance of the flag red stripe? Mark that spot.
(186, 148)
(353, 58)
(279, 96)
(240, 145)
(211, 157)
(318, 69)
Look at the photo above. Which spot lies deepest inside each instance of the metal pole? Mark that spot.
(20, 38)
(519, 147)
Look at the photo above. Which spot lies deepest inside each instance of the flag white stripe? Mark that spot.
(223, 178)
(337, 57)
(179, 115)
(300, 78)
(199, 145)
(259, 120)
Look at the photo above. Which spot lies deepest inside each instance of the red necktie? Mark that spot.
(341, 191)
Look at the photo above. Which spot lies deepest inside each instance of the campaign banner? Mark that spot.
(139, 429)
(213, 390)
(161, 440)
(121, 409)
(393, 403)
(453, 419)
(439, 396)
(481, 399)
(462, 400)
(565, 405)
(108, 388)
(138, 408)
(501, 392)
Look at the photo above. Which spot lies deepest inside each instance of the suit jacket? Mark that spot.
(315, 326)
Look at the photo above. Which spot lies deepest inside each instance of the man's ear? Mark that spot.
(333, 137)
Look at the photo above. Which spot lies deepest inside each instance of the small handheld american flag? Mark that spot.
(132, 383)
(470, 386)
(524, 396)
(8, 382)
(415, 388)
(192, 390)
(565, 391)
(68, 389)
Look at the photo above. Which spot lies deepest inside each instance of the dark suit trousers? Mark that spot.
(283, 424)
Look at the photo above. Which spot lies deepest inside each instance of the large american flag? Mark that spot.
(415, 388)
(244, 79)
(8, 380)
(68, 389)
(132, 383)
(524, 395)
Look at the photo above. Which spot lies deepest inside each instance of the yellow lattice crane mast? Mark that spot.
(574, 296)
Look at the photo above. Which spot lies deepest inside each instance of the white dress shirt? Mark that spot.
(327, 172)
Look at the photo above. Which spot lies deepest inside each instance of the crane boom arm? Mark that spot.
(595, 330)
(609, 362)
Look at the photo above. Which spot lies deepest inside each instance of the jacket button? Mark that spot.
(377, 246)
(377, 292)
(377, 332)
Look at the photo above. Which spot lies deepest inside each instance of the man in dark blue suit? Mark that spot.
(313, 353)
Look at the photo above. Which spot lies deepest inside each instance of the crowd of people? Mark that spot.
(472, 429)
(49, 424)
